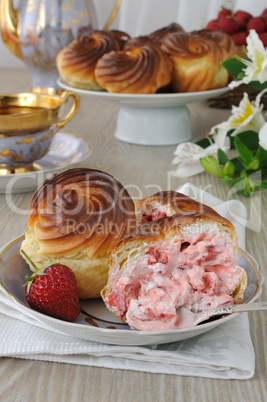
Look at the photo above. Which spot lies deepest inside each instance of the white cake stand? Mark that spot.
(158, 119)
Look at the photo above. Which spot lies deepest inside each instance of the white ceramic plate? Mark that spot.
(151, 100)
(66, 151)
(153, 119)
(96, 323)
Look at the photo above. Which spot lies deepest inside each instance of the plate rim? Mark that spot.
(123, 96)
(54, 169)
(138, 334)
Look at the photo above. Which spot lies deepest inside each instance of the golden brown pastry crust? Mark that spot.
(141, 68)
(162, 33)
(170, 203)
(80, 209)
(76, 62)
(137, 42)
(75, 218)
(175, 224)
(222, 38)
(196, 62)
(121, 36)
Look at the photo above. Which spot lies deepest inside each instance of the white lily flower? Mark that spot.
(247, 116)
(188, 154)
(263, 137)
(256, 67)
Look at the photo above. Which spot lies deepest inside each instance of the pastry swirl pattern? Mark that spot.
(88, 49)
(141, 68)
(76, 62)
(196, 62)
(80, 209)
(162, 33)
(189, 45)
(221, 38)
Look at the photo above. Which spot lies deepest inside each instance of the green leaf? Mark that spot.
(205, 142)
(237, 164)
(244, 152)
(260, 183)
(222, 157)
(249, 138)
(227, 179)
(239, 183)
(257, 85)
(243, 184)
(262, 156)
(233, 66)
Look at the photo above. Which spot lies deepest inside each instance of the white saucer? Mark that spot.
(151, 119)
(66, 151)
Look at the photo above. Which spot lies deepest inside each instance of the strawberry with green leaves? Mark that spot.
(53, 291)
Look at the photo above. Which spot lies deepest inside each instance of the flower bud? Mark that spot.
(229, 168)
(254, 164)
(212, 166)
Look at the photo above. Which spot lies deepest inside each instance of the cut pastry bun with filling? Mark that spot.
(174, 259)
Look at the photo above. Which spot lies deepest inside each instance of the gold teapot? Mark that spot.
(39, 29)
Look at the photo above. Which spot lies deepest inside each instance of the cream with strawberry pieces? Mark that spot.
(190, 261)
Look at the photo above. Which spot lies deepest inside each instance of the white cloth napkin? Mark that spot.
(225, 352)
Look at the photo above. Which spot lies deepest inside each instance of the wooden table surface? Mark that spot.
(143, 170)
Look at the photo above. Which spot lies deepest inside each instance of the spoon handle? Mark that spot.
(250, 306)
(231, 309)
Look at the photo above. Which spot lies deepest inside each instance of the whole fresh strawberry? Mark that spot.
(240, 38)
(256, 23)
(263, 38)
(229, 24)
(53, 291)
(264, 16)
(242, 17)
(214, 25)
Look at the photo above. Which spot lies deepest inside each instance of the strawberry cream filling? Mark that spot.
(199, 274)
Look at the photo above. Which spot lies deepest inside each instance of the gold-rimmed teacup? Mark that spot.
(28, 124)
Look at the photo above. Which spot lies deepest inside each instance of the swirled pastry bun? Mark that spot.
(76, 62)
(141, 68)
(121, 36)
(186, 259)
(196, 62)
(75, 218)
(220, 37)
(162, 33)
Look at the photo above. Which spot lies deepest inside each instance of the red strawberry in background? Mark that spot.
(256, 23)
(53, 291)
(263, 38)
(240, 38)
(213, 24)
(228, 23)
(225, 12)
(264, 14)
(264, 17)
(242, 17)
